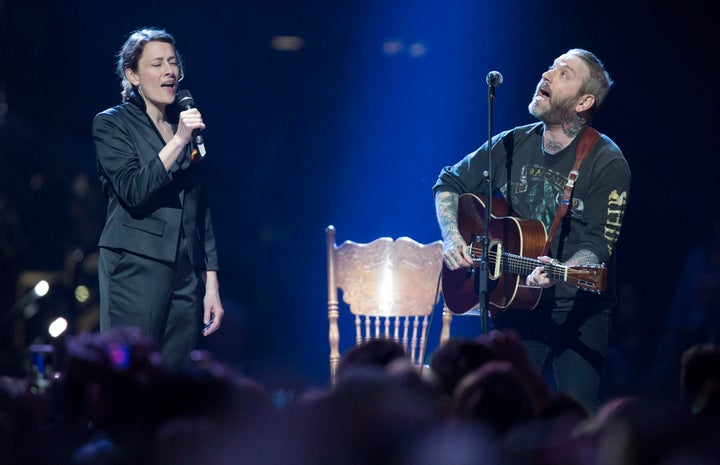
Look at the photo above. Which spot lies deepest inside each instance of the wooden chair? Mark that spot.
(390, 286)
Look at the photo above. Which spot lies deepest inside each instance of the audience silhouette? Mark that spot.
(479, 401)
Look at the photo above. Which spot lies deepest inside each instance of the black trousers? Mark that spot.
(569, 346)
(163, 299)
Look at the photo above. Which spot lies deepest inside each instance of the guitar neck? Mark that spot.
(517, 264)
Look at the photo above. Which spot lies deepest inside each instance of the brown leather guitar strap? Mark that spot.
(586, 143)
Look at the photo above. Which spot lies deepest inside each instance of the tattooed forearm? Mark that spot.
(583, 256)
(446, 206)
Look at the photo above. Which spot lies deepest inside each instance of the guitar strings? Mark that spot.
(517, 264)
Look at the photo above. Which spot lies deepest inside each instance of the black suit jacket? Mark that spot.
(148, 207)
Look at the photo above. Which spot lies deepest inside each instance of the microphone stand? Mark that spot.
(483, 275)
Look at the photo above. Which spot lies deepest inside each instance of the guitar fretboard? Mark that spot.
(517, 264)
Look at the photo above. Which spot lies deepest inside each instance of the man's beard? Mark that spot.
(556, 112)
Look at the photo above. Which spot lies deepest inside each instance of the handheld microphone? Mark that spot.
(494, 79)
(186, 102)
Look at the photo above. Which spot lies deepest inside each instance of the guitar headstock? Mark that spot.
(588, 277)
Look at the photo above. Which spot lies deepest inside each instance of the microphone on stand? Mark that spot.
(482, 275)
(186, 102)
(494, 78)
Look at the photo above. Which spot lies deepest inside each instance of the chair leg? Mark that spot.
(334, 339)
(446, 321)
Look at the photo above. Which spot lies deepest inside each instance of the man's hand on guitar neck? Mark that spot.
(539, 277)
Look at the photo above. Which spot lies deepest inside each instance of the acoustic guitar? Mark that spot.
(512, 241)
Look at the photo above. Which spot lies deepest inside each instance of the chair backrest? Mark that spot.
(390, 286)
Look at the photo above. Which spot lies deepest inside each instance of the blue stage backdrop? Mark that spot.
(347, 124)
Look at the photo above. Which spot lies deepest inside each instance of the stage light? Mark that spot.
(82, 293)
(57, 327)
(393, 47)
(41, 288)
(27, 306)
(31, 309)
(287, 43)
(417, 50)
